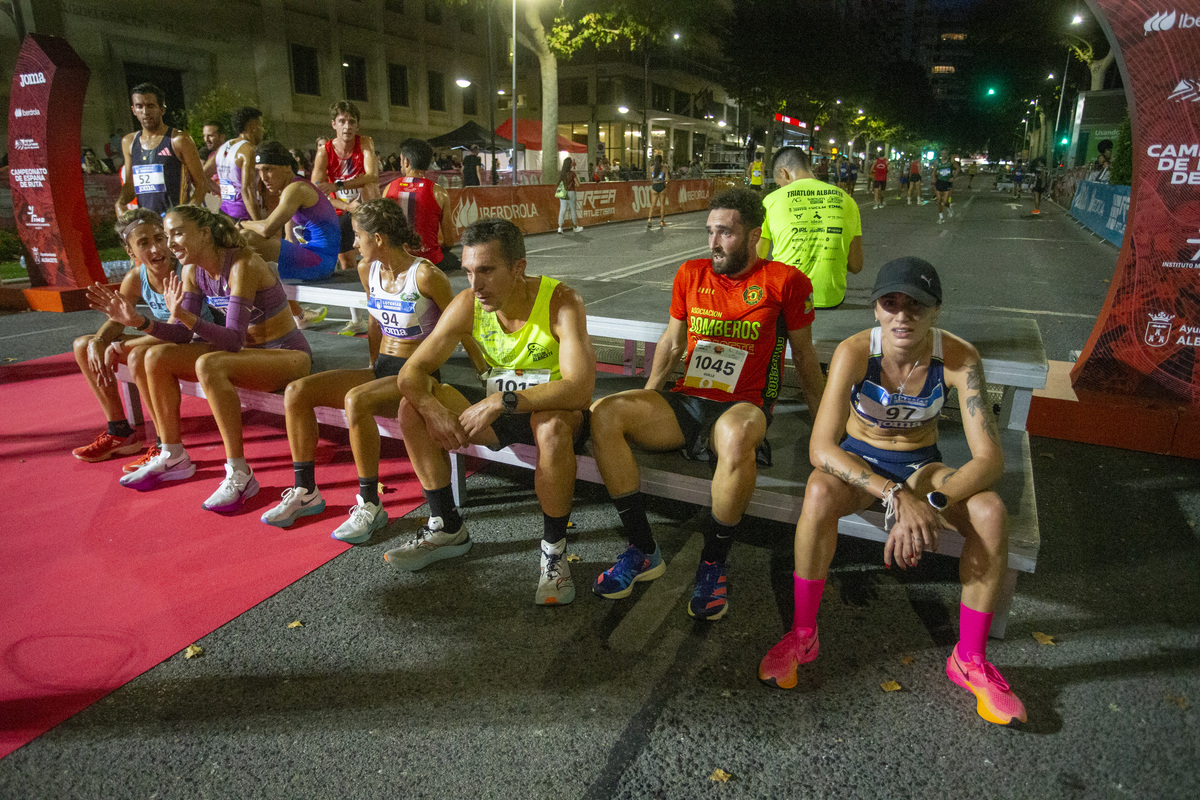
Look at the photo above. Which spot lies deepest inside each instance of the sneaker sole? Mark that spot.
(648, 575)
(708, 617)
(561, 599)
(376, 524)
(776, 683)
(428, 557)
(159, 478)
(250, 490)
(981, 708)
(306, 511)
(127, 450)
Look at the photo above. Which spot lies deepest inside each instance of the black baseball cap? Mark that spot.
(912, 276)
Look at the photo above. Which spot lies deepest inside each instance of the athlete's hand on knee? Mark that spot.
(446, 431)
(479, 417)
(95, 355)
(114, 354)
(117, 306)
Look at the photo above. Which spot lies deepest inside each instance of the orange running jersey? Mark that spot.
(753, 313)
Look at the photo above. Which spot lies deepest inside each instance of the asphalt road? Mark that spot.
(451, 683)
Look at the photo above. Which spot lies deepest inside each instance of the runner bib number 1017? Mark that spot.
(715, 366)
(514, 380)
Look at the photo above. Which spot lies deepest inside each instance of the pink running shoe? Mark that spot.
(778, 667)
(996, 703)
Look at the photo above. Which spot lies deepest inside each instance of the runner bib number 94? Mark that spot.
(715, 366)
(513, 380)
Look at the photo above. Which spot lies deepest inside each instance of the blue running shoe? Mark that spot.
(708, 599)
(633, 566)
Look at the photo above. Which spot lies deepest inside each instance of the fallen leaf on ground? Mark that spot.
(1046, 455)
(380, 488)
(192, 651)
(10, 360)
(1113, 707)
(906, 660)
(570, 524)
(890, 686)
(1178, 700)
(720, 775)
(296, 624)
(572, 558)
(1044, 638)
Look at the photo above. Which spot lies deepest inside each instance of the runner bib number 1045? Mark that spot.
(715, 366)
(514, 380)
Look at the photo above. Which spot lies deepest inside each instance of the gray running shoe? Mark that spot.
(555, 587)
(430, 545)
(365, 519)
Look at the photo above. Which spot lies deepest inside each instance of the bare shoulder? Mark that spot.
(957, 353)
(366, 142)
(565, 297)
(856, 347)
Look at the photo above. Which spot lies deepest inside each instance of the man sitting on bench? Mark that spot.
(732, 314)
(533, 333)
(874, 439)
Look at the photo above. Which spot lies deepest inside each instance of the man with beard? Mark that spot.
(732, 315)
(158, 160)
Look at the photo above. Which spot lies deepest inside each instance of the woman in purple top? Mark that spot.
(307, 208)
(258, 348)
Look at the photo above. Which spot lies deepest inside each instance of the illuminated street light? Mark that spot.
(463, 83)
(676, 37)
(623, 109)
(721, 123)
(860, 111)
(1077, 19)
(839, 102)
(831, 141)
(991, 92)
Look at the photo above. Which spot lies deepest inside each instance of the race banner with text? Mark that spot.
(46, 176)
(534, 209)
(1102, 209)
(1147, 337)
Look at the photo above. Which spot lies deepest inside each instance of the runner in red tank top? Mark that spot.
(347, 170)
(879, 173)
(424, 203)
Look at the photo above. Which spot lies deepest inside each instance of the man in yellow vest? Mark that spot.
(755, 171)
(533, 334)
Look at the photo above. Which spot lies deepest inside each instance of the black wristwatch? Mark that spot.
(938, 500)
(509, 401)
(340, 184)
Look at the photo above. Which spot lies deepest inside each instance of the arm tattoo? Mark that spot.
(975, 402)
(859, 482)
(975, 377)
(947, 477)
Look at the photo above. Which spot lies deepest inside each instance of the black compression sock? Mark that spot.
(718, 539)
(306, 474)
(632, 510)
(441, 504)
(368, 489)
(120, 429)
(554, 529)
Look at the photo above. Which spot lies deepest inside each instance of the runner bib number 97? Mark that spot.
(514, 380)
(715, 366)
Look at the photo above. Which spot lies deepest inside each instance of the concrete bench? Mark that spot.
(1018, 357)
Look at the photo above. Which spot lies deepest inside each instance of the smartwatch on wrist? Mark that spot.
(938, 500)
(340, 184)
(509, 401)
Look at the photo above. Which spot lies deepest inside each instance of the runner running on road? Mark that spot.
(944, 171)
(879, 177)
(914, 180)
(873, 440)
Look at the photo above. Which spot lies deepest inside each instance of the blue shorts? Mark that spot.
(895, 465)
(300, 263)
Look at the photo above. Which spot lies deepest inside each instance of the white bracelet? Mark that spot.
(889, 503)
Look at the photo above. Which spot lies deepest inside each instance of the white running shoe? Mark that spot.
(353, 328)
(365, 519)
(555, 586)
(297, 502)
(158, 469)
(941, 219)
(560, 228)
(310, 317)
(431, 544)
(234, 491)
(579, 229)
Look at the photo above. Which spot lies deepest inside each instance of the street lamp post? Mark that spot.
(1062, 93)
(513, 99)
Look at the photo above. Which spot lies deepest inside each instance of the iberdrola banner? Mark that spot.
(1147, 337)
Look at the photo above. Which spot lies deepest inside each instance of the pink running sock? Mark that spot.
(973, 627)
(807, 601)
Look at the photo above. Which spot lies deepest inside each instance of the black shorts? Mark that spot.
(880, 184)
(346, 226)
(696, 417)
(914, 178)
(943, 186)
(517, 428)
(386, 366)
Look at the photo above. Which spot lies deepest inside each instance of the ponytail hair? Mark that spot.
(133, 217)
(385, 217)
(224, 232)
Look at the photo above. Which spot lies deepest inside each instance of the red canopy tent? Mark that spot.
(529, 134)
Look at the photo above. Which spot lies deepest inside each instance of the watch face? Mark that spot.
(938, 500)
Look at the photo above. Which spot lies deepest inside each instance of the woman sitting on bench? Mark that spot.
(406, 296)
(875, 437)
(98, 354)
(258, 348)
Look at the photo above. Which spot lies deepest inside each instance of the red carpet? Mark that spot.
(98, 583)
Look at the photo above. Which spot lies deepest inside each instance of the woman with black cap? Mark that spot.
(875, 438)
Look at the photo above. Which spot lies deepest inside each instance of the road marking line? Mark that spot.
(31, 333)
(1029, 311)
(640, 627)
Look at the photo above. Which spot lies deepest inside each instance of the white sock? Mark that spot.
(239, 465)
(558, 548)
(173, 451)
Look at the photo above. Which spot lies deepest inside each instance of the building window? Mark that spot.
(683, 103)
(604, 92)
(394, 6)
(306, 72)
(573, 92)
(943, 69)
(954, 37)
(398, 84)
(354, 76)
(660, 97)
(437, 91)
(470, 105)
(466, 20)
(433, 11)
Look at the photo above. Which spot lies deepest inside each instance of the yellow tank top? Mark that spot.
(532, 346)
